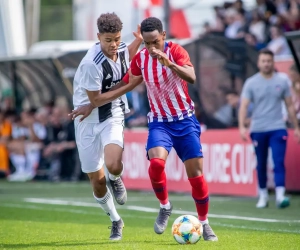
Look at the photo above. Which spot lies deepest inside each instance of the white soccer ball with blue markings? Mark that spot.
(187, 229)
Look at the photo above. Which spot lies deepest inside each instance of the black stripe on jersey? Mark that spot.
(122, 44)
(124, 67)
(105, 112)
(122, 106)
(97, 43)
(123, 72)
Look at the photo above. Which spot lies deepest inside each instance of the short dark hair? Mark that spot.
(109, 23)
(279, 29)
(150, 24)
(265, 52)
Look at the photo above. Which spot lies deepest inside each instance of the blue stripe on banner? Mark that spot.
(202, 201)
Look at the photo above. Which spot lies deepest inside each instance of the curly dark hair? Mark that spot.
(150, 24)
(109, 23)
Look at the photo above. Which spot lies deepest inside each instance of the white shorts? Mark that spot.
(91, 138)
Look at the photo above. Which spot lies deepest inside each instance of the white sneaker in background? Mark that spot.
(263, 202)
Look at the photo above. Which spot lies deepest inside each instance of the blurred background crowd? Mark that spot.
(262, 26)
(39, 143)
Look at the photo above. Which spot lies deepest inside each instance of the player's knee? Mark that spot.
(115, 167)
(157, 166)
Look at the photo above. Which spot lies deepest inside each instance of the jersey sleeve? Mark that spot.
(180, 55)
(91, 78)
(247, 91)
(134, 67)
(287, 90)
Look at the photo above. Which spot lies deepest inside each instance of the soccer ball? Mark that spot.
(187, 229)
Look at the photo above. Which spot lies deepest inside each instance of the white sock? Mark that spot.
(107, 204)
(19, 162)
(115, 177)
(263, 192)
(166, 206)
(280, 191)
(203, 222)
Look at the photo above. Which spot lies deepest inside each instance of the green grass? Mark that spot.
(26, 225)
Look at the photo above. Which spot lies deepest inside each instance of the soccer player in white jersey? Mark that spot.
(99, 137)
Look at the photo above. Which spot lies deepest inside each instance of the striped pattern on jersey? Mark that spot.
(167, 93)
(112, 75)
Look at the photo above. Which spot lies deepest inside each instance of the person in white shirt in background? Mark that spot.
(278, 45)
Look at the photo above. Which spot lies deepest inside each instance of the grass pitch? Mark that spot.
(65, 216)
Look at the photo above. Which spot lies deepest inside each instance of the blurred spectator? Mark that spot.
(59, 153)
(257, 27)
(267, 10)
(42, 115)
(236, 24)
(25, 147)
(278, 44)
(139, 107)
(225, 113)
(252, 41)
(295, 78)
(5, 133)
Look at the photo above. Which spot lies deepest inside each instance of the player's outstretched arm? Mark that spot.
(98, 99)
(134, 46)
(185, 72)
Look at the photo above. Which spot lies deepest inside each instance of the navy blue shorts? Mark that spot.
(182, 135)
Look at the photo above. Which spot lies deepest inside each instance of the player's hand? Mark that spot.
(161, 56)
(243, 133)
(297, 135)
(83, 110)
(138, 34)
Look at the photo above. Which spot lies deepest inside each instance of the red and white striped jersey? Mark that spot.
(167, 92)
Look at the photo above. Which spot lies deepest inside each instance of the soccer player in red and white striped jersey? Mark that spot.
(166, 70)
(167, 91)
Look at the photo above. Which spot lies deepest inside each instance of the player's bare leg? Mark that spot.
(194, 172)
(104, 198)
(114, 165)
(158, 156)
